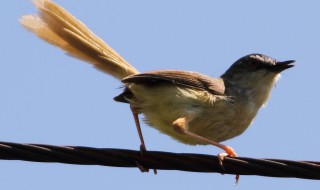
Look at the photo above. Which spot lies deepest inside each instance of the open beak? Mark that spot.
(281, 66)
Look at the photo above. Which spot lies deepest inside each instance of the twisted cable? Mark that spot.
(158, 160)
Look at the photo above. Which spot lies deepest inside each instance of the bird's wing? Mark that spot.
(181, 78)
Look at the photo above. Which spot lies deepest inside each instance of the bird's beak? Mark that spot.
(281, 66)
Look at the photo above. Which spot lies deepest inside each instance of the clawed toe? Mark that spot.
(229, 152)
(142, 168)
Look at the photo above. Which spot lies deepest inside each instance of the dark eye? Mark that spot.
(254, 65)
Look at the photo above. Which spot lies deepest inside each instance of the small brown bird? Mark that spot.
(190, 107)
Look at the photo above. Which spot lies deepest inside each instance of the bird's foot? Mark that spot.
(231, 153)
(142, 168)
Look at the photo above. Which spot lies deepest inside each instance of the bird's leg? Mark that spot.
(136, 121)
(143, 149)
(181, 126)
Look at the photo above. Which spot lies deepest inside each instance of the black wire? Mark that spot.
(158, 160)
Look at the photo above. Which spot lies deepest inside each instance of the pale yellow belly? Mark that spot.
(216, 119)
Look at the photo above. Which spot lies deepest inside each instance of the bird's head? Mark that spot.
(257, 74)
(256, 68)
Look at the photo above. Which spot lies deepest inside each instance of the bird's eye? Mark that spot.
(254, 65)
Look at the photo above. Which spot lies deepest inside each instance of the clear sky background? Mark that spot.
(47, 97)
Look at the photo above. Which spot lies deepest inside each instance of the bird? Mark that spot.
(190, 107)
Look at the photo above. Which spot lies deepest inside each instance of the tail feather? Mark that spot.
(58, 27)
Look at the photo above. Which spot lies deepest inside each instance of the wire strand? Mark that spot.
(159, 160)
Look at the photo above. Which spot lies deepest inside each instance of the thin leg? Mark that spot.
(181, 126)
(136, 120)
(142, 145)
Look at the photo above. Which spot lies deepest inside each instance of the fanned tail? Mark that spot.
(57, 26)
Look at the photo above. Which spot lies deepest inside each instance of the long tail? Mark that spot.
(57, 26)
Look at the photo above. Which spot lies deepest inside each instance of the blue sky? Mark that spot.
(47, 97)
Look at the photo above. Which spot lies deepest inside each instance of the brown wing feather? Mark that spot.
(182, 78)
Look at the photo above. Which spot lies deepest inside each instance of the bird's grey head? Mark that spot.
(255, 68)
(253, 76)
